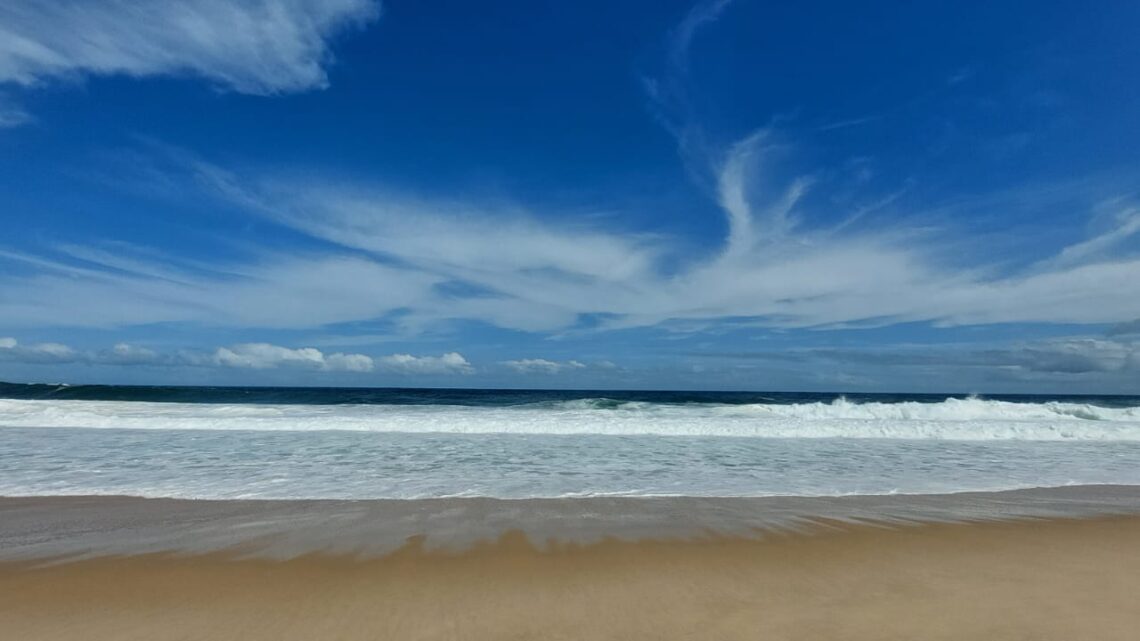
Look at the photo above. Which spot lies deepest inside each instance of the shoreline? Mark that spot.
(77, 527)
(1043, 579)
(1045, 564)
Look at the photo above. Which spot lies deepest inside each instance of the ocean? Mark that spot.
(347, 443)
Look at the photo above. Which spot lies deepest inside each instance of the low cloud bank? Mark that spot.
(1063, 356)
(255, 356)
(541, 366)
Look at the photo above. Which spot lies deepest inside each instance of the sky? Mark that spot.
(730, 194)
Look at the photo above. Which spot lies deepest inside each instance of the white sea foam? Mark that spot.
(952, 419)
(224, 451)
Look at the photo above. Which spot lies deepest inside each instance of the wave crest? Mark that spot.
(952, 419)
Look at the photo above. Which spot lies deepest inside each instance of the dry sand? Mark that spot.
(1070, 579)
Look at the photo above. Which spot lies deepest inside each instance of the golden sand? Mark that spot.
(1031, 580)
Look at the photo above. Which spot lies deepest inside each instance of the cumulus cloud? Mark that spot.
(449, 363)
(127, 354)
(348, 362)
(253, 356)
(266, 356)
(12, 350)
(542, 366)
(249, 46)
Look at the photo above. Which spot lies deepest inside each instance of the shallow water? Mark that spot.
(282, 464)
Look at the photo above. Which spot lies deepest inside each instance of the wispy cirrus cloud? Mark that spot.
(524, 272)
(1123, 225)
(249, 46)
(12, 114)
(435, 260)
(258, 47)
(272, 291)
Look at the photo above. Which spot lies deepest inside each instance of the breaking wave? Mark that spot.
(949, 419)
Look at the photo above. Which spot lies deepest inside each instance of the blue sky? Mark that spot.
(719, 195)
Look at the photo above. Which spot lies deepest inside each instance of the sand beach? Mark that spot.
(1050, 564)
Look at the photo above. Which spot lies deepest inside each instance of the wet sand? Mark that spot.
(1040, 578)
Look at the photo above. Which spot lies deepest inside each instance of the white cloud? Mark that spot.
(349, 362)
(1071, 355)
(449, 363)
(490, 243)
(253, 356)
(701, 14)
(127, 354)
(267, 356)
(280, 292)
(542, 366)
(12, 350)
(56, 353)
(433, 261)
(1124, 224)
(249, 46)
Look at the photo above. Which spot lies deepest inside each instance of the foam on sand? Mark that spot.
(1047, 580)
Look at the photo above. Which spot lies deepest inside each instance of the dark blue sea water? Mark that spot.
(489, 397)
